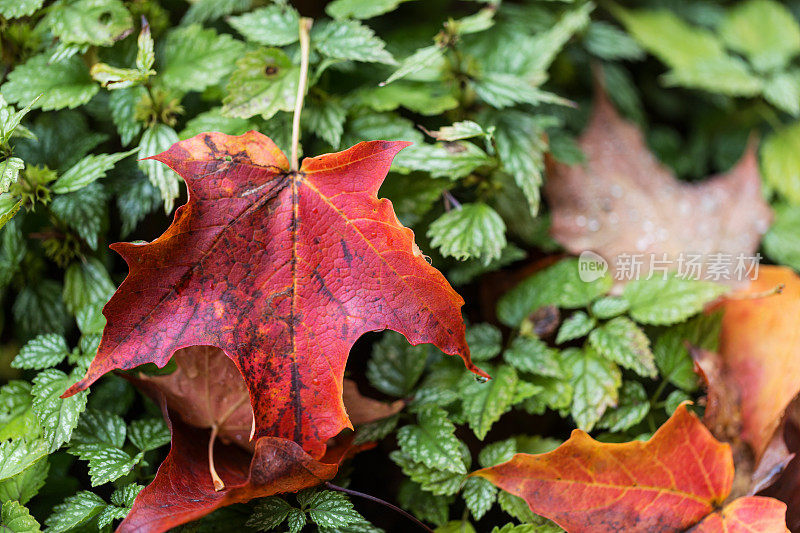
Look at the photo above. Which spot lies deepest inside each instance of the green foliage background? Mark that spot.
(484, 90)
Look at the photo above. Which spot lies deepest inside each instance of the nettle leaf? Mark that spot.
(84, 211)
(86, 283)
(207, 10)
(215, 120)
(75, 511)
(95, 22)
(435, 481)
(106, 463)
(780, 162)
(88, 170)
(782, 242)
(58, 416)
(42, 352)
(123, 109)
(578, 325)
(148, 433)
(420, 97)
(242, 211)
(361, 9)
(471, 230)
(451, 160)
(485, 403)
(505, 90)
(193, 58)
(609, 42)
(763, 30)
(424, 58)
(558, 285)
(156, 139)
(17, 455)
(121, 503)
(668, 301)
(621, 341)
(395, 366)
(9, 172)
(424, 505)
(264, 82)
(350, 40)
(671, 356)
(12, 9)
(273, 25)
(595, 382)
(15, 518)
(329, 509)
(269, 513)
(326, 120)
(479, 495)
(609, 307)
(431, 441)
(530, 354)
(484, 341)
(38, 309)
(25, 485)
(56, 85)
(633, 407)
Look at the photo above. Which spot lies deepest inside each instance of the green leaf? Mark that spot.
(296, 520)
(350, 40)
(39, 309)
(264, 82)
(396, 366)
(274, 25)
(479, 496)
(75, 511)
(420, 97)
(621, 341)
(576, 326)
(438, 482)
(122, 501)
(452, 160)
(558, 285)
(94, 22)
(763, 30)
(123, 108)
(86, 283)
(215, 120)
(595, 381)
(16, 412)
(25, 485)
(431, 441)
(17, 455)
(12, 9)
(325, 120)
(65, 84)
(361, 9)
(375, 431)
(86, 171)
(106, 463)
(674, 399)
(10, 123)
(497, 452)
(15, 518)
(609, 307)
(783, 91)
(501, 90)
(194, 58)
(782, 241)
(9, 175)
(84, 211)
(424, 505)
(671, 356)
(329, 509)
(99, 427)
(207, 10)
(388, 126)
(269, 513)
(456, 526)
(609, 42)
(42, 352)
(149, 433)
(485, 403)
(554, 393)
(422, 59)
(116, 78)
(515, 506)
(633, 407)
(484, 341)
(472, 230)
(145, 53)
(156, 139)
(780, 162)
(530, 354)
(58, 416)
(668, 301)
(466, 129)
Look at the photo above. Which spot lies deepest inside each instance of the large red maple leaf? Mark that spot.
(283, 270)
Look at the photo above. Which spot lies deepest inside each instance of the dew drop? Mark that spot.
(481, 379)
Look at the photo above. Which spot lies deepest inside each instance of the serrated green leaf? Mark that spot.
(479, 496)
(515, 506)
(578, 325)
(326, 120)
(296, 520)
(145, 53)
(554, 394)
(396, 366)
(65, 84)
(780, 162)
(149, 433)
(424, 505)
(375, 431)
(558, 285)
(361, 9)
(671, 356)
(783, 91)
(431, 441)
(86, 171)
(214, 120)
(530, 354)
(74, 511)
(668, 301)
(422, 59)
(497, 452)
(763, 30)
(116, 78)
(137, 199)
(84, 211)
(609, 307)
(12, 9)
(633, 407)
(501, 90)
(782, 241)
(94, 22)
(39, 309)
(25, 485)
(123, 107)
(57, 416)
(452, 160)
(273, 25)
(106, 463)
(15, 518)
(269, 513)
(609, 42)
(466, 129)
(42, 352)
(620, 340)
(350, 40)
(122, 501)
(485, 403)
(156, 139)
(9, 175)
(484, 341)
(264, 82)
(595, 381)
(435, 481)
(17, 455)
(85, 284)
(194, 58)
(207, 10)
(99, 427)
(329, 509)
(17, 418)
(674, 399)
(472, 230)
(421, 97)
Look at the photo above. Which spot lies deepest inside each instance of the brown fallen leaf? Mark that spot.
(363, 410)
(786, 485)
(624, 201)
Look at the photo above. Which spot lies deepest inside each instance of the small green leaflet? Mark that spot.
(431, 441)
(64, 84)
(349, 40)
(576, 326)
(621, 341)
(396, 366)
(451, 160)
(661, 302)
(485, 403)
(58, 416)
(264, 82)
(273, 25)
(41, 352)
(156, 139)
(194, 58)
(595, 381)
(483, 341)
(15, 518)
(530, 354)
(472, 230)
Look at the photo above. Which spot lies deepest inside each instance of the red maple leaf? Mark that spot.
(283, 270)
(678, 479)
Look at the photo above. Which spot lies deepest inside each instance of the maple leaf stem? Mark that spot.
(305, 28)
(777, 289)
(218, 483)
(375, 499)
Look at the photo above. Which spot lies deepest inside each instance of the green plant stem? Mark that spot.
(305, 28)
(393, 507)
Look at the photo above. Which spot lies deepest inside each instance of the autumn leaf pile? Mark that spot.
(384, 324)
